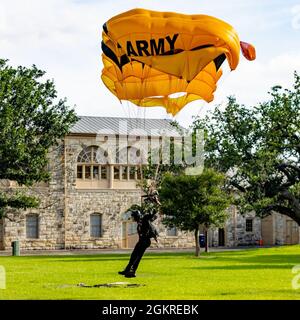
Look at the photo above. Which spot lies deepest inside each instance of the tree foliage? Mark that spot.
(259, 149)
(32, 120)
(190, 201)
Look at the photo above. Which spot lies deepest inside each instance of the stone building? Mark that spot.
(95, 172)
(245, 230)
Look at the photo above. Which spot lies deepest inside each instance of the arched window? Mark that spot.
(96, 225)
(92, 164)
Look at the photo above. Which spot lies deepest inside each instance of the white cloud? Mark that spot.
(252, 81)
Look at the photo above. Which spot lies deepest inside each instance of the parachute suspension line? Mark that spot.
(146, 73)
(125, 102)
(131, 108)
(146, 81)
(117, 71)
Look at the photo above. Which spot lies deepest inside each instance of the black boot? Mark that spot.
(123, 272)
(130, 274)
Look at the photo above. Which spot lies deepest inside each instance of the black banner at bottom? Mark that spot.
(140, 309)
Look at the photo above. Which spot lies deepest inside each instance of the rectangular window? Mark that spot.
(132, 173)
(116, 173)
(79, 172)
(96, 225)
(96, 172)
(249, 225)
(104, 172)
(32, 226)
(132, 228)
(124, 173)
(87, 174)
(172, 232)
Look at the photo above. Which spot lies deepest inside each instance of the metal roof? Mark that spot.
(124, 126)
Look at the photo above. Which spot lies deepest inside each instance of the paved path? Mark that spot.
(116, 251)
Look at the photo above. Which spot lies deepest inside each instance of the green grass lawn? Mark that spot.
(247, 274)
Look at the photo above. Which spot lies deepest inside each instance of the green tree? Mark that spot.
(259, 148)
(32, 120)
(190, 201)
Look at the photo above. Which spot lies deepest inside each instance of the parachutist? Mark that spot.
(146, 231)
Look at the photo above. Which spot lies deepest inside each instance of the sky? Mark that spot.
(63, 37)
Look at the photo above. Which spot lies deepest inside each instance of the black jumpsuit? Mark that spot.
(143, 229)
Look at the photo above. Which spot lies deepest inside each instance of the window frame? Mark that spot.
(132, 172)
(100, 216)
(90, 163)
(168, 229)
(37, 226)
(247, 225)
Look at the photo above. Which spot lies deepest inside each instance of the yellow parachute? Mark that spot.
(149, 56)
(148, 87)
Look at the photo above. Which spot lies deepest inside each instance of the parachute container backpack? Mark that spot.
(167, 59)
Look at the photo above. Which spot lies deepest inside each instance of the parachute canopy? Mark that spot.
(149, 56)
(148, 87)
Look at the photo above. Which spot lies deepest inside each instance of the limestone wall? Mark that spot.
(111, 204)
(50, 221)
(182, 240)
(244, 237)
(235, 230)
